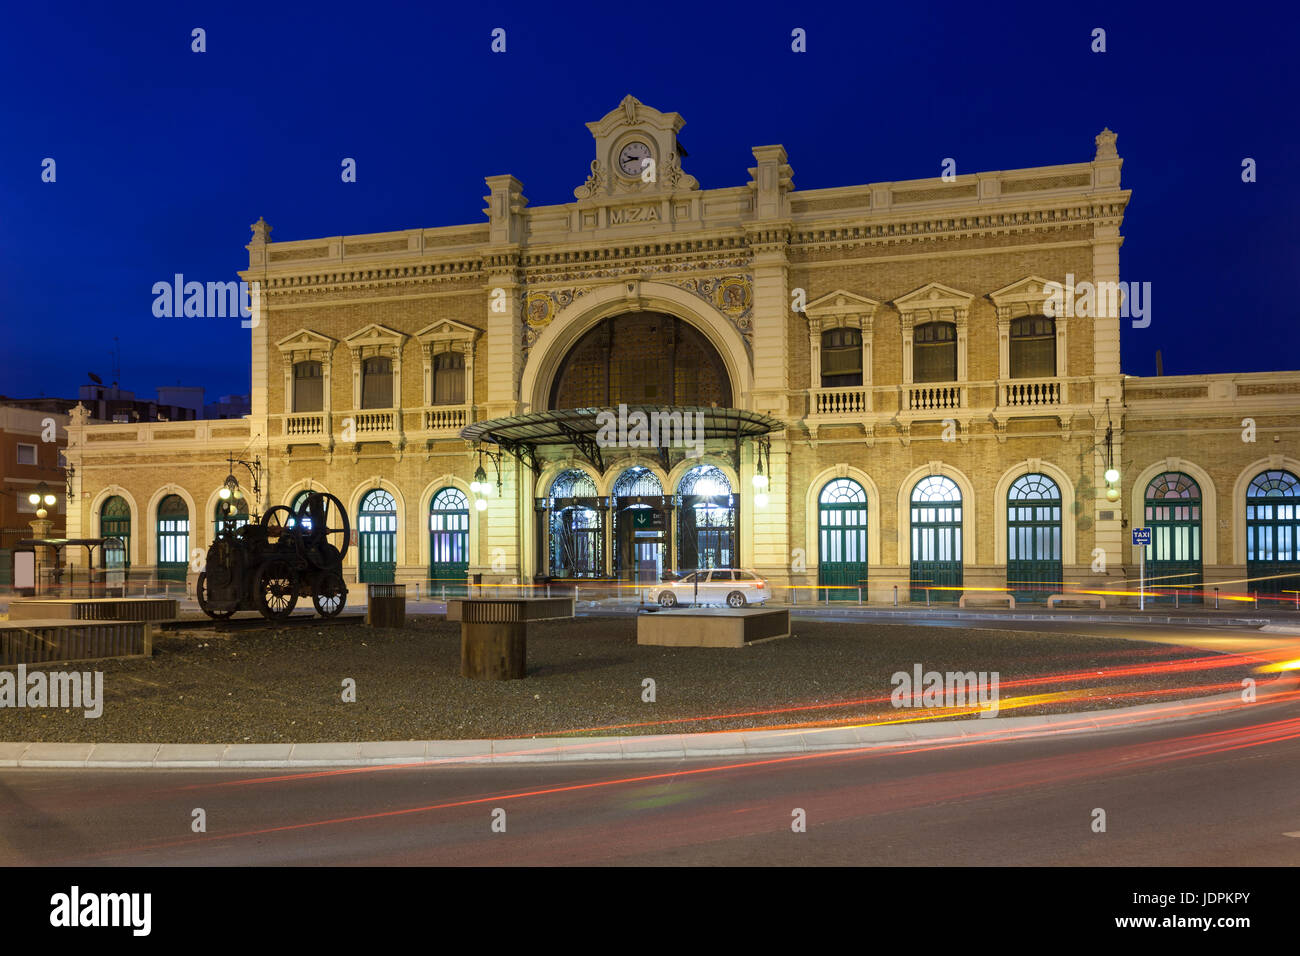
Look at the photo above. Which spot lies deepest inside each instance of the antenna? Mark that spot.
(1160, 363)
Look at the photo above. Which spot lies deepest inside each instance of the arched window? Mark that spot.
(936, 539)
(843, 560)
(308, 392)
(377, 537)
(1033, 347)
(449, 540)
(934, 352)
(173, 538)
(231, 515)
(1173, 514)
(377, 382)
(841, 358)
(640, 526)
(1273, 532)
(706, 523)
(449, 378)
(115, 522)
(577, 526)
(1034, 567)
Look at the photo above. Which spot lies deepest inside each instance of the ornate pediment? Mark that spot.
(1027, 296)
(447, 330)
(375, 337)
(934, 302)
(306, 341)
(840, 308)
(636, 153)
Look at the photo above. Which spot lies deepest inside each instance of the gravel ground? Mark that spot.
(584, 675)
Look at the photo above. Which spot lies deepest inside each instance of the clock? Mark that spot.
(631, 156)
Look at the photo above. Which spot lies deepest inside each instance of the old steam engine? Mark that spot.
(268, 564)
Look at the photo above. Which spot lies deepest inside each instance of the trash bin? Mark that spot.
(386, 605)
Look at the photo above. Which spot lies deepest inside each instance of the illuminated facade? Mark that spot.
(931, 421)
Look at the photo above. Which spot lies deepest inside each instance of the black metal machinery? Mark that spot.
(267, 564)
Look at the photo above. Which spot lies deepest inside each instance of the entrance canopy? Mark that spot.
(628, 427)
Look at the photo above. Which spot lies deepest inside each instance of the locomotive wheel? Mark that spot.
(331, 595)
(277, 520)
(201, 590)
(276, 590)
(329, 525)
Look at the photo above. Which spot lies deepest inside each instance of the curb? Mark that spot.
(564, 749)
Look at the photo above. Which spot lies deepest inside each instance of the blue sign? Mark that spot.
(1141, 536)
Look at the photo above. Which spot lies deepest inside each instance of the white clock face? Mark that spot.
(630, 157)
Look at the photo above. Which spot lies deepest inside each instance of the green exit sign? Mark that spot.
(647, 519)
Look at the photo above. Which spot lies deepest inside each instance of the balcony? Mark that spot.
(375, 424)
(1031, 393)
(447, 418)
(312, 427)
(839, 402)
(933, 397)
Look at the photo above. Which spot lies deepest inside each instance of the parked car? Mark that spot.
(735, 587)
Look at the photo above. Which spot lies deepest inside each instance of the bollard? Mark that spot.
(1216, 599)
(1256, 599)
(828, 597)
(895, 595)
(859, 595)
(1176, 593)
(927, 597)
(444, 594)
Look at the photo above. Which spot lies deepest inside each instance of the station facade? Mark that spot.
(883, 354)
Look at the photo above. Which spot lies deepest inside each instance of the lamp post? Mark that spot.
(43, 499)
(230, 489)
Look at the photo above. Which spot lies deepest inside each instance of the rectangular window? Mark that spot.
(308, 387)
(449, 378)
(377, 383)
(26, 454)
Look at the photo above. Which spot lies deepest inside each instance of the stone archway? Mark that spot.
(632, 295)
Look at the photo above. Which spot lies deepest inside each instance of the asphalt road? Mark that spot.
(1214, 791)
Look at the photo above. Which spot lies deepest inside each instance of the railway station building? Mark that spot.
(895, 385)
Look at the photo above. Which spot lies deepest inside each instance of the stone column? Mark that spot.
(769, 236)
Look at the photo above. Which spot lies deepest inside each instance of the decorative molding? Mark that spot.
(732, 295)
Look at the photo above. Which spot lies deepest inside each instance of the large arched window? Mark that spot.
(377, 537)
(706, 522)
(934, 352)
(449, 540)
(1034, 567)
(173, 538)
(841, 358)
(936, 539)
(377, 382)
(1173, 513)
(115, 522)
(1273, 532)
(644, 358)
(308, 391)
(842, 546)
(1033, 347)
(577, 526)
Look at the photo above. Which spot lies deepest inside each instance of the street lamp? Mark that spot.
(230, 487)
(42, 498)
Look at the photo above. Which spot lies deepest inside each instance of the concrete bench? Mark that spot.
(986, 597)
(494, 632)
(1097, 599)
(710, 627)
(58, 639)
(93, 609)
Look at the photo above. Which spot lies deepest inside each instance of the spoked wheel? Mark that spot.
(667, 599)
(201, 590)
(276, 590)
(735, 599)
(331, 595)
(325, 529)
(276, 520)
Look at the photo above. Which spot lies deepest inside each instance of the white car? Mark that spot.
(735, 587)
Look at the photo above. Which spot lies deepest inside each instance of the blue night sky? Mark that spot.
(164, 156)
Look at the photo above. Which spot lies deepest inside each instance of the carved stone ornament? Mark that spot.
(593, 184)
